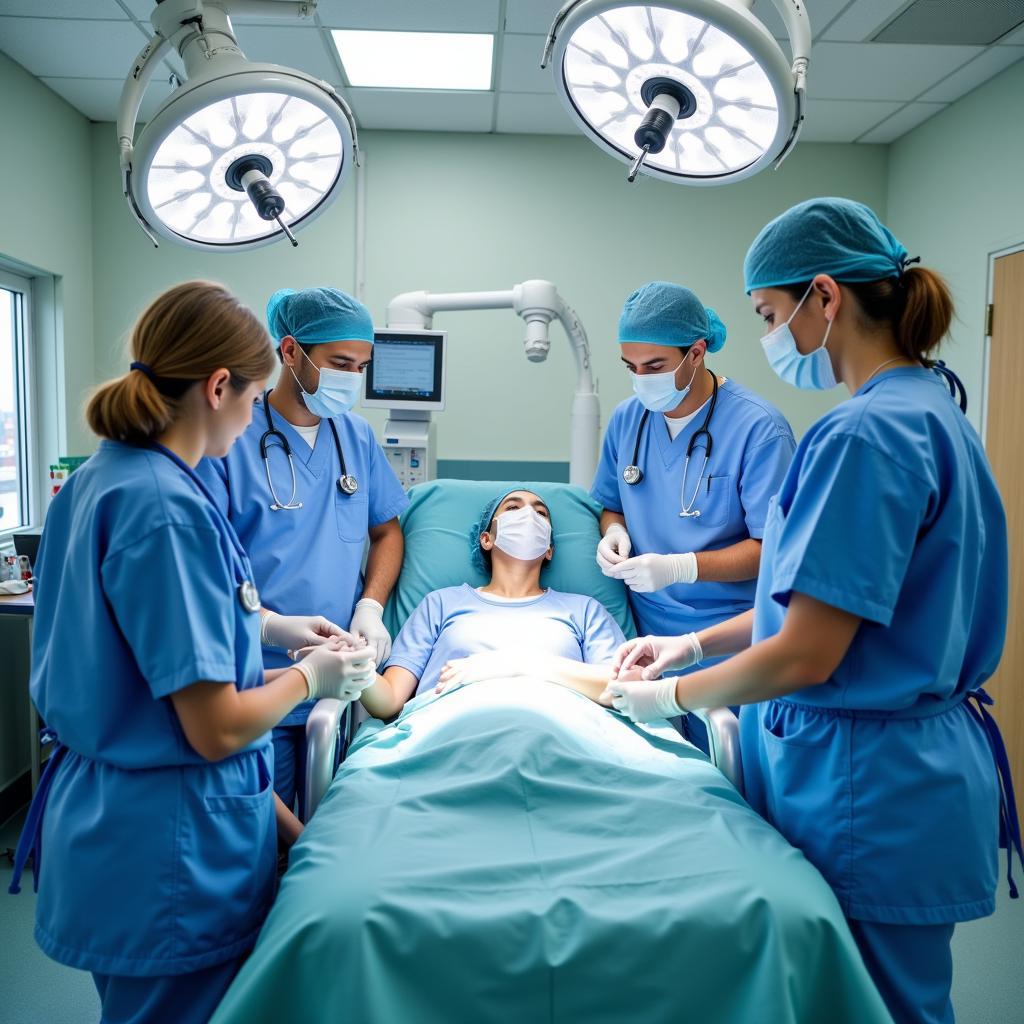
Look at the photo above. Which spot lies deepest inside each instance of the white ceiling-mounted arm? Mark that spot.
(537, 302)
(798, 26)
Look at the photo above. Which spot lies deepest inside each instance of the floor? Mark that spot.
(988, 987)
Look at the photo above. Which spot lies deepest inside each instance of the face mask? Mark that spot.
(523, 534)
(336, 393)
(658, 391)
(812, 371)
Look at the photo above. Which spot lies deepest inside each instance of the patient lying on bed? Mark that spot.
(511, 626)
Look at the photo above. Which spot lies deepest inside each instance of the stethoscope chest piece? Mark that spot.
(249, 596)
(348, 484)
(632, 475)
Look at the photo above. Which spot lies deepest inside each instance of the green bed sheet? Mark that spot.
(511, 852)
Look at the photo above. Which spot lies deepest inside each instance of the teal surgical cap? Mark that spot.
(838, 237)
(315, 315)
(483, 524)
(660, 313)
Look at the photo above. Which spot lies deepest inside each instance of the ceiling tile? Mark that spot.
(520, 65)
(843, 120)
(75, 49)
(533, 16)
(98, 98)
(142, 9)
(84, 10)
(426, 111)
(862, 19)
(903, 121)
(820, 12)
(299, 46)
(879, 71)
(980, 70)
(411, 15)
(1016, 37)
(533, 114)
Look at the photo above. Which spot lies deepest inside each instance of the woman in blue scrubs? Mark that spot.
(155, 815)
(881, 609)
(308, 556)
(686, 535)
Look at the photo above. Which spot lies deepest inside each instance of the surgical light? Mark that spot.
(691, 91)
(241, 153)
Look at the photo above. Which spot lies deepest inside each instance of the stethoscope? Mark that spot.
(347, 483)
(248, 595)
(633, 474)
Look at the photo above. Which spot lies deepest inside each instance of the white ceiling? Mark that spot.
(859, 91)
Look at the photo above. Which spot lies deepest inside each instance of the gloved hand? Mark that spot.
(367, 622)
(331, 671)
(645, 573)
(655, 655)
(613, 548)
(644, 702)
(293, 632)
(485, 665)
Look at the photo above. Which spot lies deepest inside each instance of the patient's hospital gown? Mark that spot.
(459, 621)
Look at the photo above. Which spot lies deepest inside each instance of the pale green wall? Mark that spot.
(449, 212)
(46, 222)
(956, 195)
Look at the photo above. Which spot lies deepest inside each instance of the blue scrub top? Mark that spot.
(753, 445)
(306, 561)
(456, 622)
(889, 512)
(155, 861)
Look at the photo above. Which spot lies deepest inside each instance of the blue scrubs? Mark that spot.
(155, 862)
(881, 775)
(456, 622)
(307, 561)
(753, 445)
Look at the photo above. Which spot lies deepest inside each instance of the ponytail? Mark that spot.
(926, 315)
(129, 409)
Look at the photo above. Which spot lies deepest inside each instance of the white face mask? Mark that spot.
(658, 391)
(812, 371)
(523, 534)
(336, 393)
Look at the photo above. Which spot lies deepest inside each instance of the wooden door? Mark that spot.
(1004, 440)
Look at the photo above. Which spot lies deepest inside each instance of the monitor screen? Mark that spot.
(407, 370)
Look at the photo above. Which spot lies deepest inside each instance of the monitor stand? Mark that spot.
(410, 444)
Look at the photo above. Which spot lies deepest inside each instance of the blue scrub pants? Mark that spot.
(181, 998)
(290, 766)
(912, 967)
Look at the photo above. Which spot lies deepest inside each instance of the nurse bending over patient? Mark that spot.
(511, 626)
(158, 833)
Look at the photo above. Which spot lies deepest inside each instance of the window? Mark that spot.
(15, 302)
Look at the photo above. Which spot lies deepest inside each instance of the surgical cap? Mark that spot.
(838, 237)
(315, 315)
(483, 524)
(660, 313)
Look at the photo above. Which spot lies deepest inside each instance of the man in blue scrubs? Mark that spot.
(306, 535)
(686, 536)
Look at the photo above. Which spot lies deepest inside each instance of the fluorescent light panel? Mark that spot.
(416, 60)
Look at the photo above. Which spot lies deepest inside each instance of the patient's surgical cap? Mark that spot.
(838, 237)
(661, 313)
(315, 315)
(483, 524)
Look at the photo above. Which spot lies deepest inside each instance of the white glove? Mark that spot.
(613, 548)
(341, 674)
(657, 654)
(293, 632)
(644, 702)
(367, 622)
(646, 573)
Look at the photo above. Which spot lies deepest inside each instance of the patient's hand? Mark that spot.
(486, 665)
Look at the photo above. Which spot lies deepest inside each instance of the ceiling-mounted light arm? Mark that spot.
(556, 25)
(798, 27)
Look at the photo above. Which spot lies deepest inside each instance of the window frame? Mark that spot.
(24, 388)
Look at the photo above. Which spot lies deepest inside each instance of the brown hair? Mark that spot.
(916, 306)
(183, 336)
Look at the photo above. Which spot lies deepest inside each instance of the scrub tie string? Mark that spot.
(953, 382)
(30, 840)
(1009, 824)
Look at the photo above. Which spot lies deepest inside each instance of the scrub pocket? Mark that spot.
(353, 513)
(714, 501)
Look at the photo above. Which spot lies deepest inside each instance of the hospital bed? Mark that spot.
(511, 851)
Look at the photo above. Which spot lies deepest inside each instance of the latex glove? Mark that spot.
(643, 701)
(614, 547)
(646, 573)
(293, 632)
(343, 674)
(367, 622)
(654, 655)
(483, 666)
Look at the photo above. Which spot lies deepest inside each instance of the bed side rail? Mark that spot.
(724, 742)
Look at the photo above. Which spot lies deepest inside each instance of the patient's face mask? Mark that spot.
(523, 534)
(336, 393)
